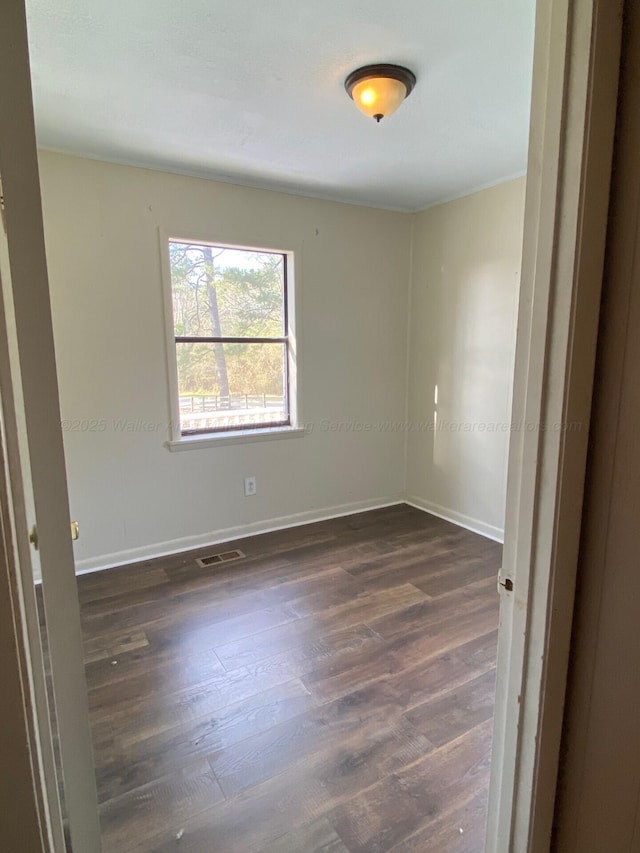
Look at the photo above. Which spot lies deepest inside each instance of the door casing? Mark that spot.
(37, 475)
(575, 82)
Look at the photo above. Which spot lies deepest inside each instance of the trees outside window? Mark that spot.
(231, 335)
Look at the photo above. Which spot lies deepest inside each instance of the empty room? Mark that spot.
(284, 246)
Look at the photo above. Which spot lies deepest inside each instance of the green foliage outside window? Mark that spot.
(220, 292)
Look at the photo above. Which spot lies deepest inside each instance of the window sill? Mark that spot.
(198, 442)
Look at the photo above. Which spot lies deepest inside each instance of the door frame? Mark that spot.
(573, 115)
(36, 486)
(575, 83)
(27, 824)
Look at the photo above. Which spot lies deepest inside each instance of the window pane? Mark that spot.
(223, 386)
(230, 293)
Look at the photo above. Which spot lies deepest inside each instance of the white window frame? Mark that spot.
(178, 441)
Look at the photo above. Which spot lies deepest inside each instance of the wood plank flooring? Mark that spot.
(333, 691)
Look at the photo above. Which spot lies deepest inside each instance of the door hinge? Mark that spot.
(3, 215)
(505, 583)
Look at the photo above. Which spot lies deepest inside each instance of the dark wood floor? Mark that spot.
(331, 692)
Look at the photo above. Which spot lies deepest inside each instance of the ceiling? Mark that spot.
(252, 91)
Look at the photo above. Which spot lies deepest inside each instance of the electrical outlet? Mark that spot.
(249, 486)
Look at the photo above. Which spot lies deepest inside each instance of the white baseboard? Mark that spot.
(473, 524)
(204, 540)
(216, 537)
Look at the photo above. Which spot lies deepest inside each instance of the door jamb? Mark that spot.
(28, 824)
(37, 450)
(576, 71)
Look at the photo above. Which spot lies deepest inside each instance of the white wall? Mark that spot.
(134, 498)
(465, 281)
(131, 495)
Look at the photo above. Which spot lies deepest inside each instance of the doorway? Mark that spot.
(573, 196)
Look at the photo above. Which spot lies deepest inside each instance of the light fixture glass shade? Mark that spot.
(378, 97)
(378, 90)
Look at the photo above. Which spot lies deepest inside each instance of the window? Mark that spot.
(232, 342)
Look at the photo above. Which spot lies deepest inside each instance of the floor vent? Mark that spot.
(223, 557)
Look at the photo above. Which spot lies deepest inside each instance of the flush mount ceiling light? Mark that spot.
(378, 90)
